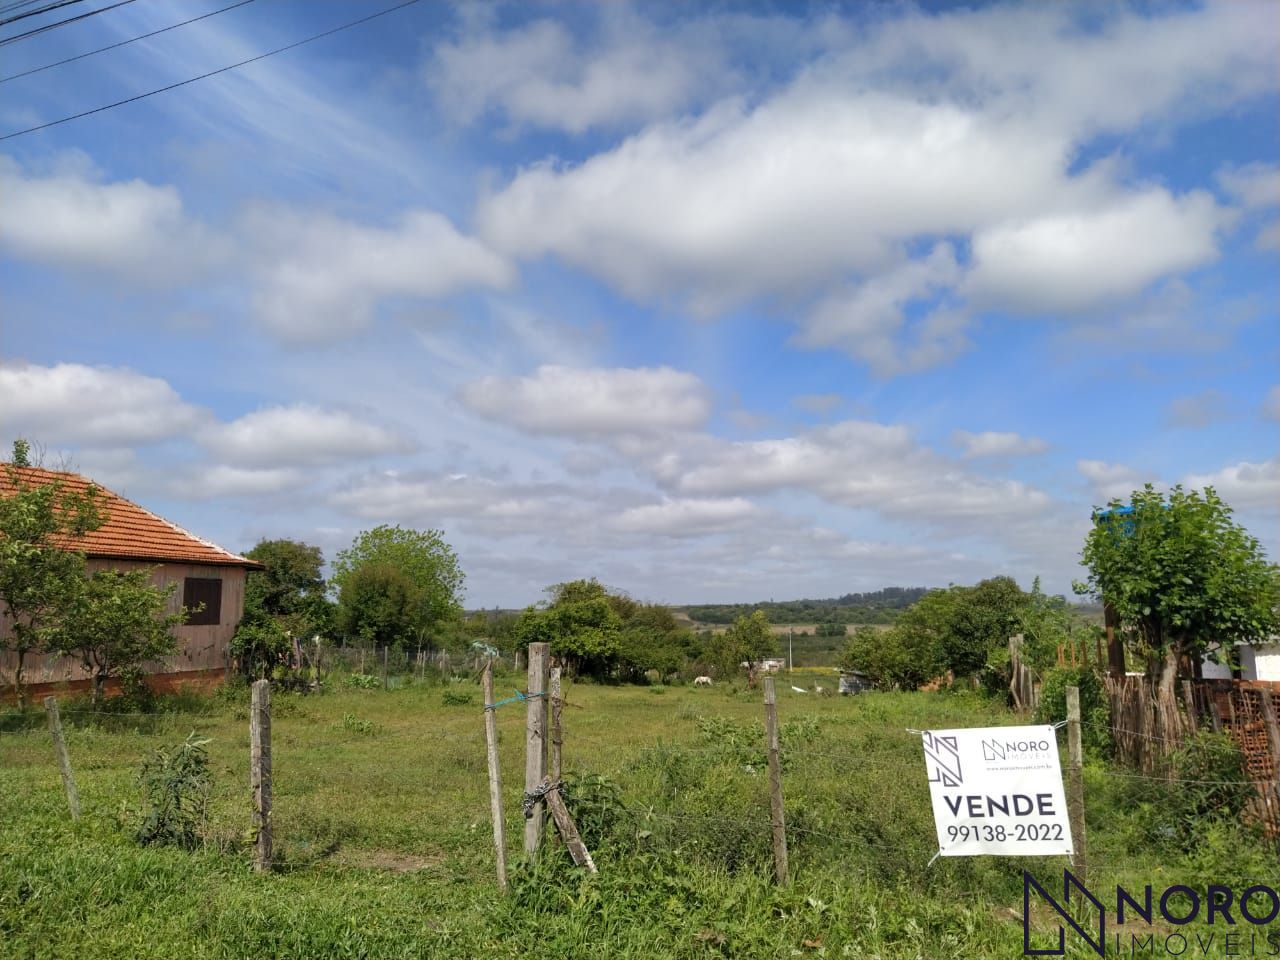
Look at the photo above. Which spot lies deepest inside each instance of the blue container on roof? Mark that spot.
(1125, 514)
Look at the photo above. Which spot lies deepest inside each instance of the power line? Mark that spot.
(61, 23)
(142, 36)
(17, 5)
(211, 73)
(35, 13)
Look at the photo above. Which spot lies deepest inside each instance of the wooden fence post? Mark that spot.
(385, 684)
(495, 777)
(1075, 786)
(535, 742)
(1189, 701)
(777, 817)
(557, 734)
(260, 771)
(64, 759)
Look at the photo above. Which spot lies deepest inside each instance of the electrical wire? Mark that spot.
(61, 23)
(211, 73)
(18, 5)
(47, 8)
(122, 43)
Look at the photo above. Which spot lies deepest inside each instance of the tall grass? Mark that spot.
(382, 825)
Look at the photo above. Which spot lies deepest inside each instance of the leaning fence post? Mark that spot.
(495, 776)
(567, 828)
(64, 759)
(535, 744)
(557, 734)
(777, 818)
(1075, 785)
(260, 770)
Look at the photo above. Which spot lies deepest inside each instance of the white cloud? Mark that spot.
(779, 198)
(992, 443)
(1271, 405)
(320, 278)
(855, 464)
(598, 401)
(1074, 260)
(868, 320)
(1197, 409)
(539, 76)
(300, 435)
(70, 218)
(75, 403)
(687, 517)
(921, 128)
(1244, 485)
(1111, 481)
(477, 503)
(221, 480)
(1268, 237)
(1254, 185)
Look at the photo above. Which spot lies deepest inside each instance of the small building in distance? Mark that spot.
(209, 580)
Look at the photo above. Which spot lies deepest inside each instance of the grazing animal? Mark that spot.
(702, 681)
(818, 689)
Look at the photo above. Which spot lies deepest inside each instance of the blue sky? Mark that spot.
(714, 303)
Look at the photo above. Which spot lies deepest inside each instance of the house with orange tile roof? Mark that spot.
(208, 580)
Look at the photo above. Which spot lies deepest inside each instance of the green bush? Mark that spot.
(175, 789)
(362, 681)
(1095, 711)
(456, 698)
(353, 724)
(1210, 781)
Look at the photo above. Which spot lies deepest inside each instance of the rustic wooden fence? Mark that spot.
(1148, 726)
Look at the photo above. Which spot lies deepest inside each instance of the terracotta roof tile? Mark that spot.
(130, 532)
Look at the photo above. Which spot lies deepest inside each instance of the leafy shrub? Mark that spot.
(362, 681)
(353, 724)
(1095, 711)
(456, 698)
(1214, 782)
(175, 788)
(595, 803)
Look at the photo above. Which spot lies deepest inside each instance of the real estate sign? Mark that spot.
(997, 790)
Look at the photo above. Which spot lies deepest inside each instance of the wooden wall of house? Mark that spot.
(200, 647)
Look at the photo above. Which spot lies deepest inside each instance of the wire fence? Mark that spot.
(848, 786)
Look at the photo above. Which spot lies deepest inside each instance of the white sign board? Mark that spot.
(997, 790)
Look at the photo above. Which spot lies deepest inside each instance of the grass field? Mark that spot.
(385, 845)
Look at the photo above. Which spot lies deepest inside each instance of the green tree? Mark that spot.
(975, 620)
(114, 622)
(38, 574)
(428, 568)
(903, 657)
(287, 600)
(747, 640)
(379, 605)
(1182, 577)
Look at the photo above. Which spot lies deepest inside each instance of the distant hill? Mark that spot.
(879, 606)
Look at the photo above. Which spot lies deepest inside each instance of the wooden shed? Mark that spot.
(207, 577)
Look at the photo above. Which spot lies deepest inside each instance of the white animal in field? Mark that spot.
(702, 681)
(818, 689)
(799, 689)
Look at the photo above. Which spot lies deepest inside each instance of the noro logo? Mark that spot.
(1256, 906)
(1003, 749)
